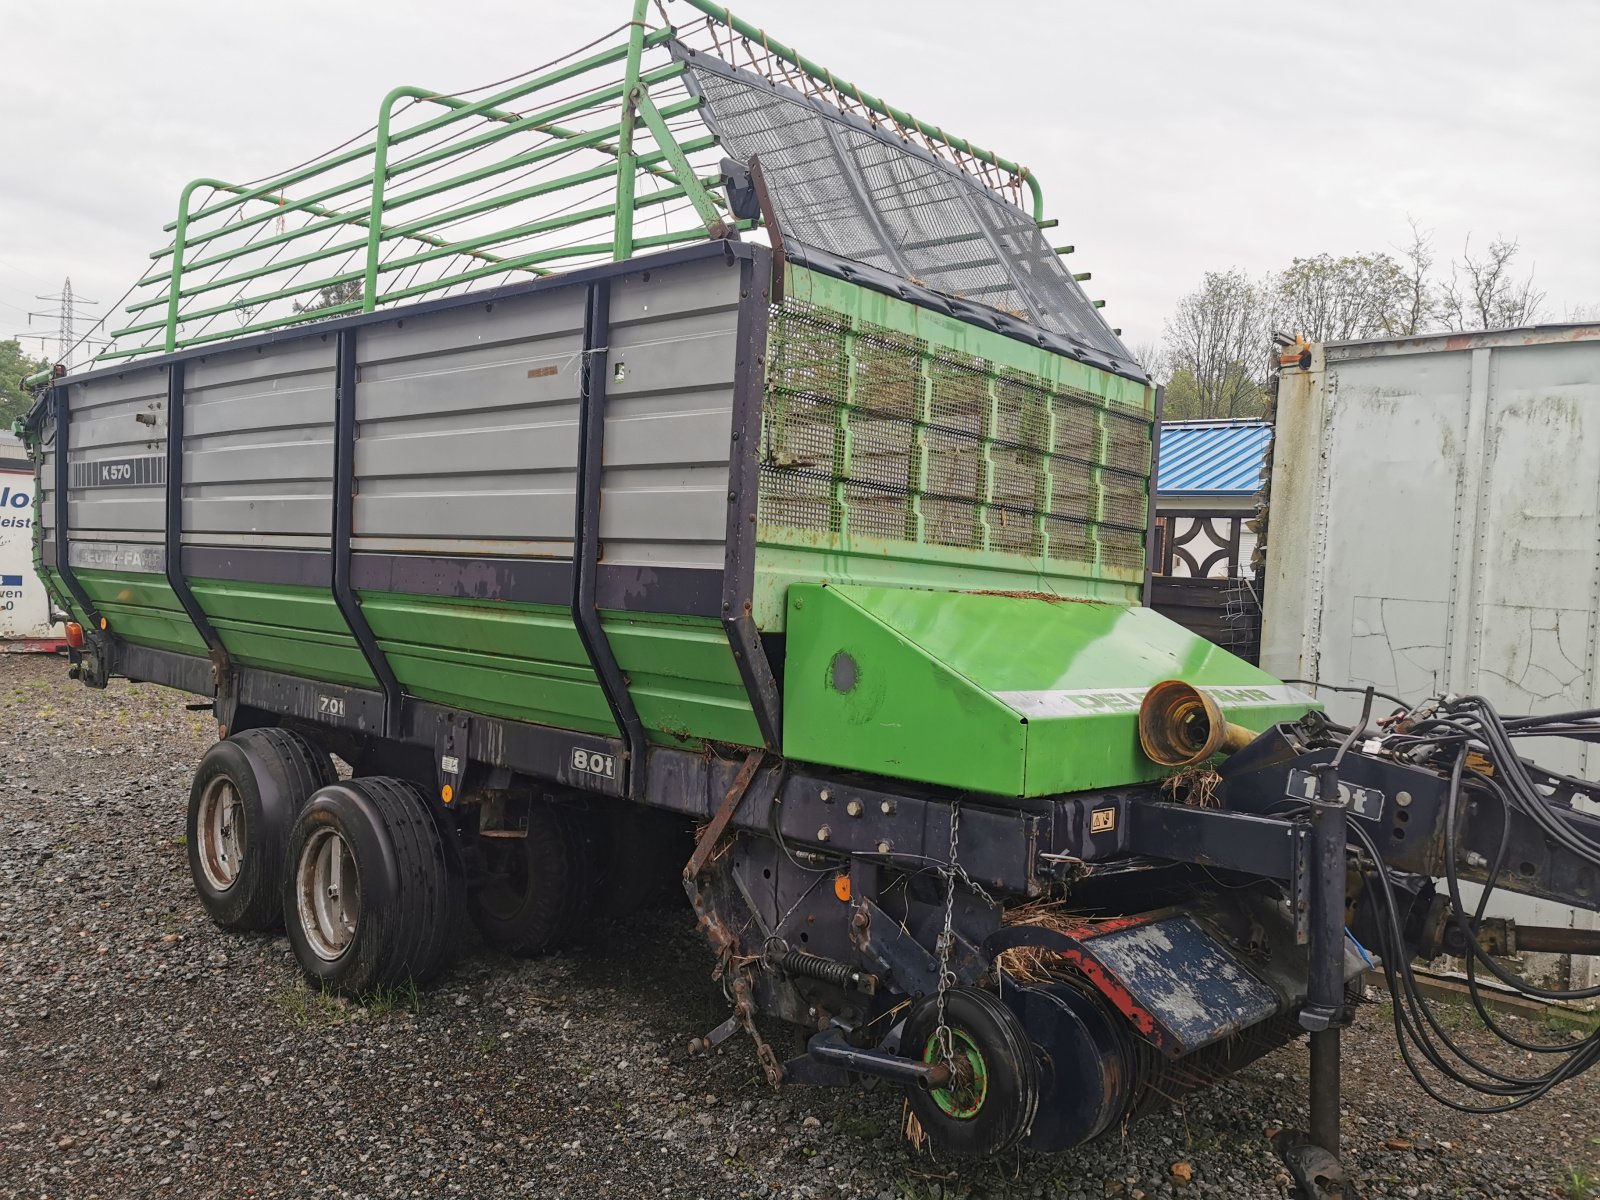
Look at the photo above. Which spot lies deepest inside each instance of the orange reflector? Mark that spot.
(75, 635)
(841, 887)
(104, 624)
(447, 793)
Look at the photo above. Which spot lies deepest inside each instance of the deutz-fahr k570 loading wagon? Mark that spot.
(679, 438)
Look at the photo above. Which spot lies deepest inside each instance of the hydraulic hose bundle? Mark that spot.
(1471, 745)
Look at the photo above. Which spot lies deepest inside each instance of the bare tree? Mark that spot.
(1419, 299)
(1483, 294)
(1149, 355)
(1217, 348)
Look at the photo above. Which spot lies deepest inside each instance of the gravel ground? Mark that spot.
(144, 1052)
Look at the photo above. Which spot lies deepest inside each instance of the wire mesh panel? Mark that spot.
(873, 433)
(844, 187)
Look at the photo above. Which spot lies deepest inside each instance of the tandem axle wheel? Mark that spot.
(374, 890)
(246, 794)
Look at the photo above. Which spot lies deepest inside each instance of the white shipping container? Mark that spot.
(24, 607)
(1434, 526)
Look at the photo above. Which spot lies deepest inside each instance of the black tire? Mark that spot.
(269, 774)
(970, 1121)
(645, 852)
(537, 892)
(404, 925)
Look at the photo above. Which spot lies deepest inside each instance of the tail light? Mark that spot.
(75, 635)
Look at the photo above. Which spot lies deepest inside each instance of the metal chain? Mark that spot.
(947, 939)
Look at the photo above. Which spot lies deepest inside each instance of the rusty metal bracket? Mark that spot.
(706, 844)
(769, 220)
(733, 969)
(733, 966)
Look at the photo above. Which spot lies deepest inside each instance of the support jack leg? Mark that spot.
(1313, 1159)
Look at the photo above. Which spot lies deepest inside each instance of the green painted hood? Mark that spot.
(1012, 695)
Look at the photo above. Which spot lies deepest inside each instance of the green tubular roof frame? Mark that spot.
(207, 271)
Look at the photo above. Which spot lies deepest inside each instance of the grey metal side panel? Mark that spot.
(467, 423)
(106, 428)
(258, 446)
(669, 413)
(467, 428)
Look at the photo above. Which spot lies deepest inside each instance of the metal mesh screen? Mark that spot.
(842, 187)
(870, 432)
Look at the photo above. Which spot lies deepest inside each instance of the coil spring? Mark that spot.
(814, 966)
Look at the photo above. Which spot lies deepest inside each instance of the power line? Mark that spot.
(18, 270)
(66, 316)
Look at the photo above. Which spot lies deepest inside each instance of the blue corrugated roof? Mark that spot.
(1214, 458)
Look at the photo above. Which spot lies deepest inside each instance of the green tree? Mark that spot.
(348, 292)
(1217, 349)
(14, 365)
(1354, 296)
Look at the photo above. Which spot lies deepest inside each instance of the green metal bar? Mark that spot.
(536, 121)
(643, 243)
(328, 213)
(991, 426)
(181, 231)
(518, 263)
(528, 157)
(659, 239)
(380, 176)
(599, 59)
(405, 231)
(594, 173)
(545, 122)
(541, 122)
(1047, 481)
(843, 436)
(459, 112)
(36, 379)
(680, 163)
(381, 170)
(529, 229)
(916, 519)
(718, 13)
(622, 238)
(337, 218)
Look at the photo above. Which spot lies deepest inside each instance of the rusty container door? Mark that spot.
(1435, 527)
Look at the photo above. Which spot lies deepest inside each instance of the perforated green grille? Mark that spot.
(872, 432)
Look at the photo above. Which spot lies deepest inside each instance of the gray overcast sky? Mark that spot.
(1171, 137)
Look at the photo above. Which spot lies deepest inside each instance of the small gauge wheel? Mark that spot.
(989, 1103)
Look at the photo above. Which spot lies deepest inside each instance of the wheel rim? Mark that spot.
(329, 894)
(963, 1098)
(504, 889)
(220, 830)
